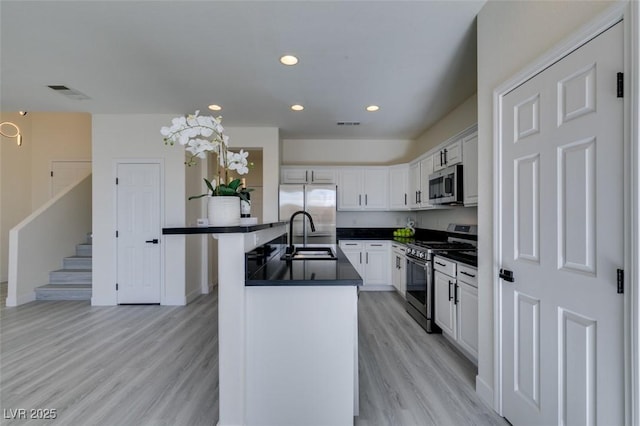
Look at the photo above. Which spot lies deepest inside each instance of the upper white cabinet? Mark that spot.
(399, 187)
(363, 188)
(295, 174)
(448, 156)
(470, 170)
(419, 172)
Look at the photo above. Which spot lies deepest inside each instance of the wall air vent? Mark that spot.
(69, 92)
(348, 123)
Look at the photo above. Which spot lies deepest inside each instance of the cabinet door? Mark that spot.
(350, 195)
(470, 170)
(438, 161)
(426, 169)
(467, 312)
(445, 309)
(414, 184)
(322, 175)
(376, 263)
(399, 187)
(376, 189)
(354, 252)
(294, 175)
(453, 153)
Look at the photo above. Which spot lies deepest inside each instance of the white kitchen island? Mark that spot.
(287, 336)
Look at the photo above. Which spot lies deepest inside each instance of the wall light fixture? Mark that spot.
(15, 129)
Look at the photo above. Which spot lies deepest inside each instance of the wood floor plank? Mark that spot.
(158, 366)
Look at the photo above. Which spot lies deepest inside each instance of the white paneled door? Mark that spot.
(562, 238)
(138, 233)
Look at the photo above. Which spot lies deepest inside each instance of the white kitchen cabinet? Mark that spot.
(448, 156)
(419, 172)
(363, 188)
(445, 308)
(456, 303)
(399, 268)
(399, 187)
(320, 175)
(371, 260)
(470, 169)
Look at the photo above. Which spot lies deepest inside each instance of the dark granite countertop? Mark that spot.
(276, 272)
(236, 229)
(463, 257)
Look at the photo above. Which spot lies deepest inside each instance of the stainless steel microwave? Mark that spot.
(445, 186)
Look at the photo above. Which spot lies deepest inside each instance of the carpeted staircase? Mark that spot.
(73, 281)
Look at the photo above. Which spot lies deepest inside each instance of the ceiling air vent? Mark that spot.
(348, 123)
(69, 92)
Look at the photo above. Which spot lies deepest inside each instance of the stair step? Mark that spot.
(70, 276)
(77, 262)
(64, 292)
(84, 250)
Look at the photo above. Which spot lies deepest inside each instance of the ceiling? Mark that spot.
(415, 59)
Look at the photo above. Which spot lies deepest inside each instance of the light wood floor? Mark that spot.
(156, 365)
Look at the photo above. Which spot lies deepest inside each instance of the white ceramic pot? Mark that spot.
(223, 211)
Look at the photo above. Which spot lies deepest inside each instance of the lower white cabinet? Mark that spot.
(456, 303)
(371, 260)
(399, 268)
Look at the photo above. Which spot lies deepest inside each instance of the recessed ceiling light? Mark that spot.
(372, 108)
(214, 107)
(288, 60)
(297, 107)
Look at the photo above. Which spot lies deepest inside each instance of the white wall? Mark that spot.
(24, 171)
(344, 152)
(134, 136)
(511, 35)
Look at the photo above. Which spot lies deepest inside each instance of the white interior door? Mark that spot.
(64, 173)
(138, 237)
(562, 237)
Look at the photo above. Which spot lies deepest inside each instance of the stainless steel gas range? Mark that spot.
(420, 254)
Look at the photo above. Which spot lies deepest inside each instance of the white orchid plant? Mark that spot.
(202, 135)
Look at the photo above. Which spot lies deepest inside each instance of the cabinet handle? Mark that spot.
(405, 198)
(350, 244)
(365, 200)
(441, 264)
(360, 257)
(441, 157)
(312, 177)
(445, 156)
(419, 197)
(416, 197)
(469, 275)
(306, 175)
(359, 199)
(367, 258)
(455, 297)
(376, 245)
(450, 297)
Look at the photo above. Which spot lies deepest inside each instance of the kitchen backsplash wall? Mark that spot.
(439, 219)
(428, 219)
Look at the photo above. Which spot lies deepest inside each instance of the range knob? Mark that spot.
(421, 255)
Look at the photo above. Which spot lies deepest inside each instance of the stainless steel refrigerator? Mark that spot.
(317, 200)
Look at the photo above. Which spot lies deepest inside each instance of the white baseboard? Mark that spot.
(484, 391)
(21, 299)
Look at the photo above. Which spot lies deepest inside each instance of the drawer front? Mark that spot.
(468, 274)
(351, 245)
(445, 266)
(376, 245)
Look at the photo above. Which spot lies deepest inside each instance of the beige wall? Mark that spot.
(344, 151)
(460, 118)
(511, 35)
(24, 174)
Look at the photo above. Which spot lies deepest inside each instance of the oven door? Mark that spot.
(419, 293)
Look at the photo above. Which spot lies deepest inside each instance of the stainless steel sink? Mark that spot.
(310, 253)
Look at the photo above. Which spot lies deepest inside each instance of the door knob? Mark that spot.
(154, 241)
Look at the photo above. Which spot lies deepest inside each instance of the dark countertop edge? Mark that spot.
(461, 259)
(236, 229)
(302, 283)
